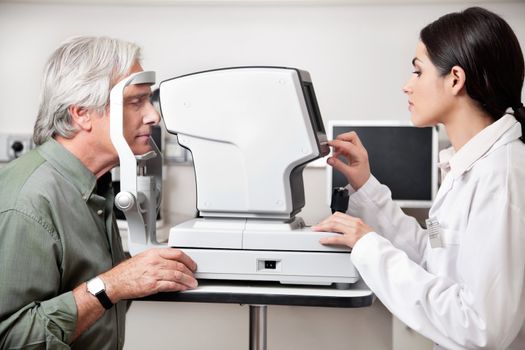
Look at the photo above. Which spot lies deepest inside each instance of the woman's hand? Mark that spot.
(357, 168)
(351, 229)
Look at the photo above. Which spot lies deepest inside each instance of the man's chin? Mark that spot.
(142, 150)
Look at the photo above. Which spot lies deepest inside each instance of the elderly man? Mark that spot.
(64, 278)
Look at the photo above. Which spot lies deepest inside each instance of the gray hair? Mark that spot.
(81, 72)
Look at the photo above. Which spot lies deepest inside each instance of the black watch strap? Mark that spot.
(104, 299)
(97, 288)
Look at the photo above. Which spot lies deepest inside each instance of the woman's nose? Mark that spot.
(406, 87)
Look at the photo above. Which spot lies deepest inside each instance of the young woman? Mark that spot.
(460, 282)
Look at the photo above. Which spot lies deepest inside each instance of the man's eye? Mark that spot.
(135, 102)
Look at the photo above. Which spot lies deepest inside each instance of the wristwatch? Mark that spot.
(97, 287)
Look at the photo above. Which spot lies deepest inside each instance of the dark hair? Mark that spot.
(486, 48)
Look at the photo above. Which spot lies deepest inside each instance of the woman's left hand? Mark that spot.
(351, 229)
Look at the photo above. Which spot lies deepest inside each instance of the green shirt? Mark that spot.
(57, 230)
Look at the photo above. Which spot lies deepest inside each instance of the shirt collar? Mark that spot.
(460, 162)
(69, 166)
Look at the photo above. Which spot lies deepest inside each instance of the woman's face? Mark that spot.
(428, 101)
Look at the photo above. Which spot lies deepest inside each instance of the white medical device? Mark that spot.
(251, 132)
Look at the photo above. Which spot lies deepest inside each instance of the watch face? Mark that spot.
(95, 285)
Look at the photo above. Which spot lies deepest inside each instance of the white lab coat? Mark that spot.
(469, 293)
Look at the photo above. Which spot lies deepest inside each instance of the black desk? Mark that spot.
(258, 295)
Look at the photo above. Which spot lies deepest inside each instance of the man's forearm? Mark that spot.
(42, 325)
(89, 309)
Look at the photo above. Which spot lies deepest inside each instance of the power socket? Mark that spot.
(13, 146)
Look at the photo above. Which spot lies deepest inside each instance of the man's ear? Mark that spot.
(456, 80)
(80, 117)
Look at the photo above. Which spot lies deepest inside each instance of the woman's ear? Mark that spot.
(80, 117)
(456, 80)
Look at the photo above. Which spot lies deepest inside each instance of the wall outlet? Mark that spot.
(13, 146)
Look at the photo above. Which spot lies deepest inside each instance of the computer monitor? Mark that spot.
(401, 156)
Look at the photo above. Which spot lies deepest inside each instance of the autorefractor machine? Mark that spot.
(251, 131)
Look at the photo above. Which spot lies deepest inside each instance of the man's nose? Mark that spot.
(151, 116)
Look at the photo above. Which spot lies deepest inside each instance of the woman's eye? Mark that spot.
(417, 72)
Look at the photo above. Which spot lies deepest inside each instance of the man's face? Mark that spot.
(139, 116)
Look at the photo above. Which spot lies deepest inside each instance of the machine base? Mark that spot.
(286, 267)
(263, 250)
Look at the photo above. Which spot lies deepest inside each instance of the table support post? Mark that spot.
(258, 327)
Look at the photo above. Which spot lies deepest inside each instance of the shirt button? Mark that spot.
(100, 212)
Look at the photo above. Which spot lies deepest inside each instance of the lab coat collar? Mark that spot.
(493, 136)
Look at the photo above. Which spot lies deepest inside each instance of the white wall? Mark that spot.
(358, 56)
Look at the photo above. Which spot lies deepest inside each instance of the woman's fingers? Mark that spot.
(346, 149)
(350, 137)
(351, 229)
(333, 240)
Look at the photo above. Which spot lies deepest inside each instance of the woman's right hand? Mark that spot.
(356, 169)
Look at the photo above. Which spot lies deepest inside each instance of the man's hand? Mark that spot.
(155, 270)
